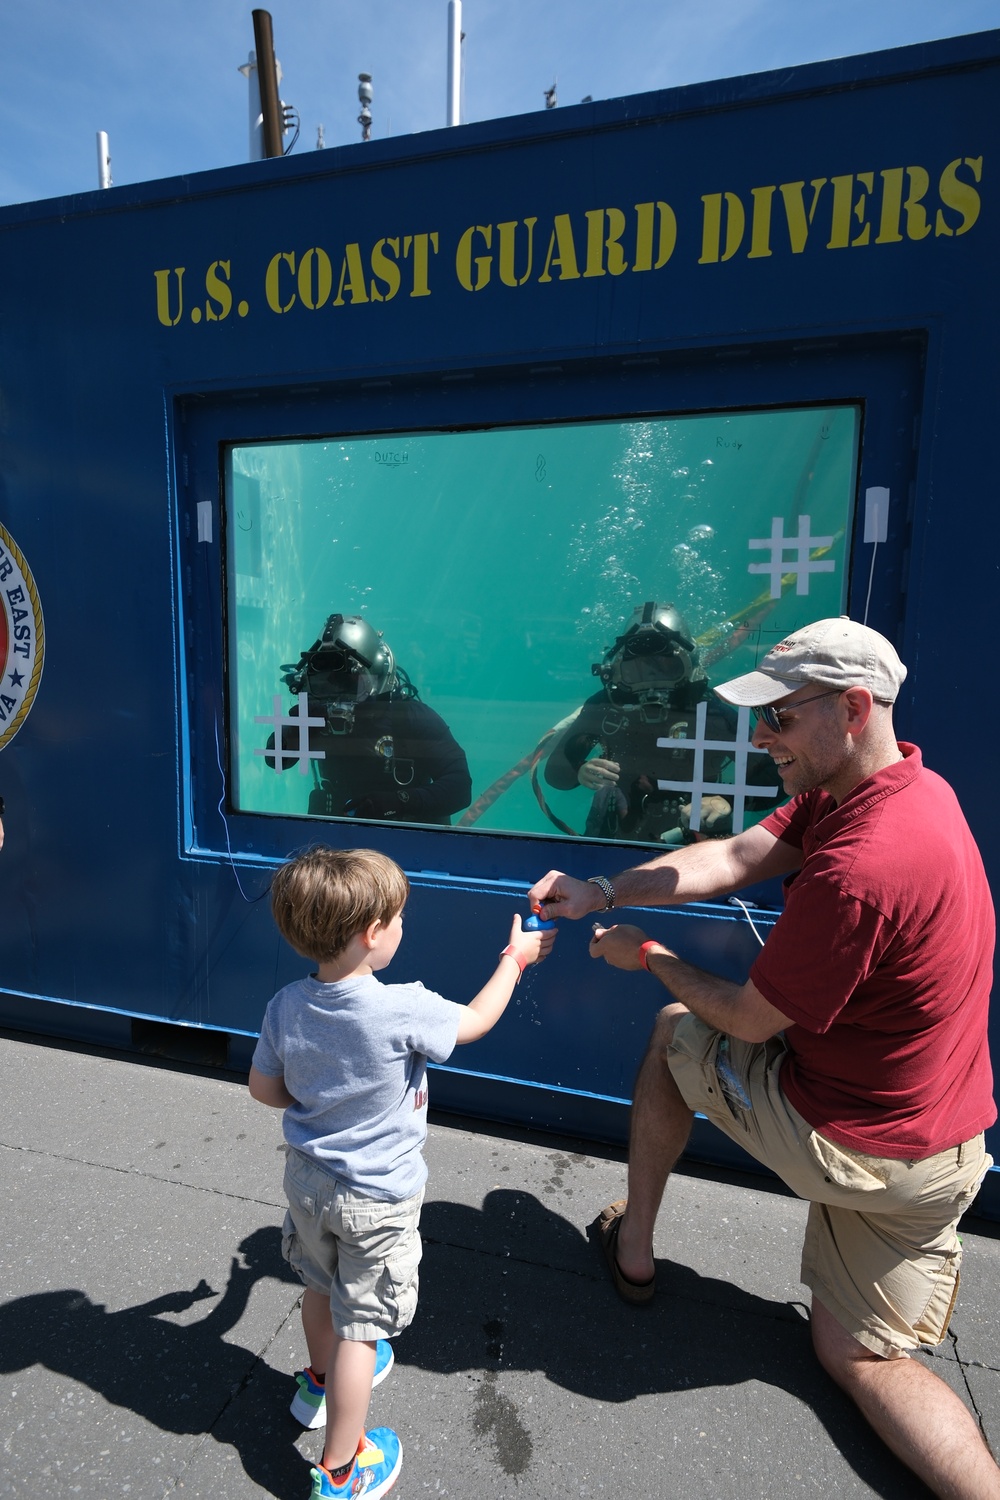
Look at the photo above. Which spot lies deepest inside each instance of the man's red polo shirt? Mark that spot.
(882, 959)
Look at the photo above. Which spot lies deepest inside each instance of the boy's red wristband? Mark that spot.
(510, 952)
(644, 952)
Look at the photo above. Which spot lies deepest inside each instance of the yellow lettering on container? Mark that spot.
(386, 270)
(645, 223)
(958, 195)
(422, 245)
(463, 259)
(561, 239)
(163, 296)
(316, 285)
(272, 287)
(711, 233)
(352, 277)
(507, 251)
(598, 242)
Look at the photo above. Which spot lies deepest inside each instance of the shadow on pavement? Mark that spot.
(514, 1313)
(509, 1287)
(180, 1377)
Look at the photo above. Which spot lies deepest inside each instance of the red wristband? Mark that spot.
(511, 952)
(644, 952)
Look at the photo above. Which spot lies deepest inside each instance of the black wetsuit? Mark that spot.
(636, 808)
(418, 775)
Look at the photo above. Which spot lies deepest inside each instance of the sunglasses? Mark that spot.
(774, 717)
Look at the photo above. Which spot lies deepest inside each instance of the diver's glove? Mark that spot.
(377, 805)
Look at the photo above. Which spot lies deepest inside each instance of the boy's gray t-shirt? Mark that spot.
(354, 1055)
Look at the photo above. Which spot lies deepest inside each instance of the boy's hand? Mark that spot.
(530, 947)
(485, 1009)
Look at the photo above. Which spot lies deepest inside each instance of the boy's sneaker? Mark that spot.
(374, 1471)
(309, 1402)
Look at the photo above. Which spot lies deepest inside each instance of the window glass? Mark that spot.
(519, 628)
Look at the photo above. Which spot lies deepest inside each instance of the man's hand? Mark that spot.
(618, 945)
(560, 895)
(597, 773)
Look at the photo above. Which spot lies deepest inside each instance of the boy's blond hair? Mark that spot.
(323, 897)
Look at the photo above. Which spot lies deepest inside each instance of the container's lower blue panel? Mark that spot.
(509, 1101)
(594, 1118)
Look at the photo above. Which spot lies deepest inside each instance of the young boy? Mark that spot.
(346, 1058)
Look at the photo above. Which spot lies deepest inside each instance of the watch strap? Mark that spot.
(605, 887)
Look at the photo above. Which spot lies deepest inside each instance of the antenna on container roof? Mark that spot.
(365, 95)
(103, 160)
(455, 38)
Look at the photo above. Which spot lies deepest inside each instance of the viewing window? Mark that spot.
(519, 628)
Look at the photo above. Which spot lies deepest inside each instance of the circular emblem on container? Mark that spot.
(22, 638)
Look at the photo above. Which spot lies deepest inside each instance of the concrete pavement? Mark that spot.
(149, 1328)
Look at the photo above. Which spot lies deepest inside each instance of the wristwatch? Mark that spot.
(605, 887)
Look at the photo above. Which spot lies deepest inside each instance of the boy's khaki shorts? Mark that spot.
(363, 1253)
(881, 1249)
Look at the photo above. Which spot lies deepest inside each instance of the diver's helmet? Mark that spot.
(654, 657)
(347, 665)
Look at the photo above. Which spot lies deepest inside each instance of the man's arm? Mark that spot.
(740, 1010)
(697, 873)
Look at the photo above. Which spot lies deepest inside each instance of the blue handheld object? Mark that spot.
(534, 923)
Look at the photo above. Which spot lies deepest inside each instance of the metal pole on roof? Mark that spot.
(103, 160)
(249, 71)
(454, 62)
(267, 79)
(365, 96)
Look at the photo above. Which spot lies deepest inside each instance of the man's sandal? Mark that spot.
(605, 1229)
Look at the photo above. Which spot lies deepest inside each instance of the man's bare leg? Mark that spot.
(661, 1125)
(914, 1413)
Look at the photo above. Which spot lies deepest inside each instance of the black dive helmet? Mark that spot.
(654, 662)
(347, 665)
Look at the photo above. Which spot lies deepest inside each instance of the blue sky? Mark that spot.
(162, 80)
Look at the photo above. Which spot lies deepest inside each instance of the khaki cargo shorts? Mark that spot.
(361, 1252)
(881, 1248)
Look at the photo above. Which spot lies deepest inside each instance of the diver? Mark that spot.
(651, 685)
(383, 753)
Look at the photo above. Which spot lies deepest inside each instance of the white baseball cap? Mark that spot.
(835, 653)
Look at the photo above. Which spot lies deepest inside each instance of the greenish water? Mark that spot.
(501, 564)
